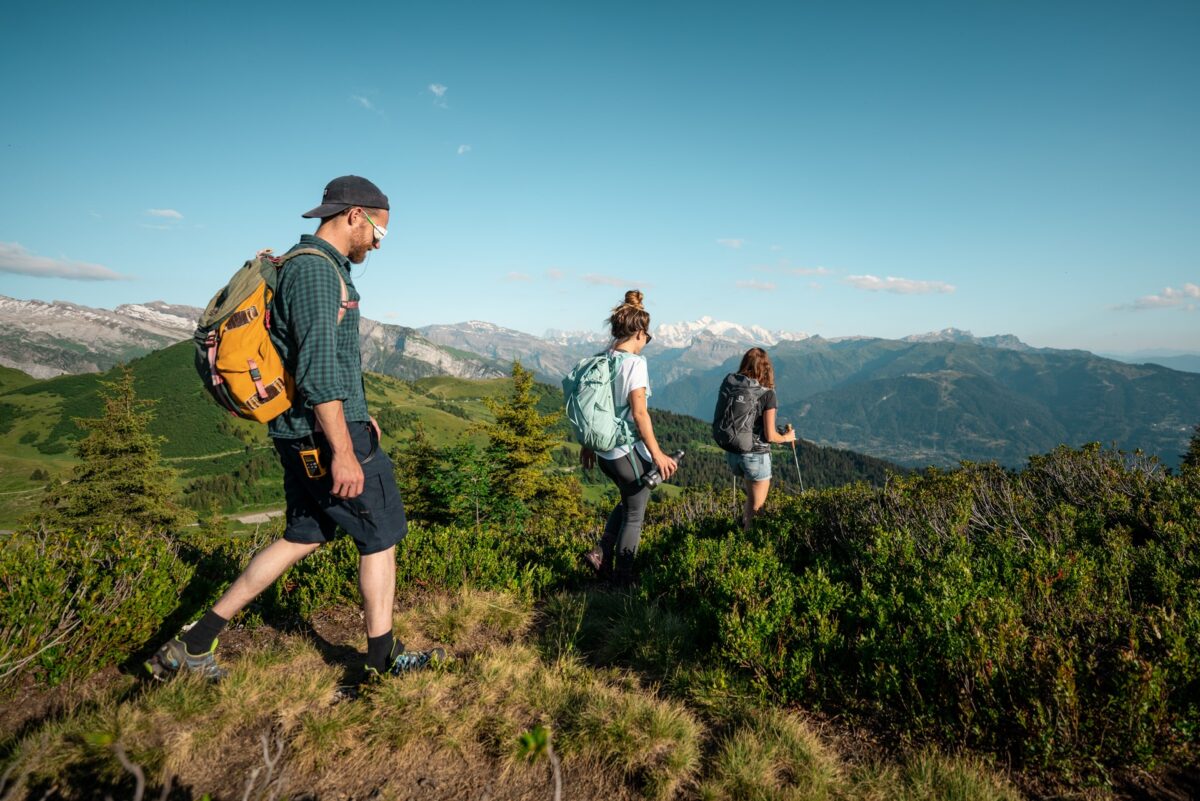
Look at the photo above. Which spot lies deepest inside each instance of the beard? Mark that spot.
(359, 250)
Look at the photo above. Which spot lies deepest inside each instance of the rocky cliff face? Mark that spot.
(49, 339)
(550, 360)
(402, 352)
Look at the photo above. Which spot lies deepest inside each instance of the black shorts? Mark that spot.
(375, 519)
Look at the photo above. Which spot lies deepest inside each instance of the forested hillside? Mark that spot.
(227, 465)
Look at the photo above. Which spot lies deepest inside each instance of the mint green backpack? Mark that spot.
(595, 417)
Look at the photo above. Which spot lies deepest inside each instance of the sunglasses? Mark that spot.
(380, 231)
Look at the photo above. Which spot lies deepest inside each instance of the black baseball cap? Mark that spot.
(349, 190)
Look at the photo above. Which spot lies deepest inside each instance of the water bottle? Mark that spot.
(653, 478)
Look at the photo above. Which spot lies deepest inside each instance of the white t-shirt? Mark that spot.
(632, 374)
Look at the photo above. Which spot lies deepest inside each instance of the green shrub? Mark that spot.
(1052, 614)
(72, 602)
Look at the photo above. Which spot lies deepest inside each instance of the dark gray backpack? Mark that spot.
(737, 409)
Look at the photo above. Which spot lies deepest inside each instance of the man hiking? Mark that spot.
(335, 473)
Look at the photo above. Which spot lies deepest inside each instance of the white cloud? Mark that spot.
(363, 101)
(166, 214)
(515, 276)
(900, 286)
(1169, 298)
(438, 89)
(736, 244)
(611, 280)
(16, 259)
(464, 149)
(761, 286)
(555, 274)
(809, 270)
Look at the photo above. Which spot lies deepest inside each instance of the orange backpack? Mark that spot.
(235, 356)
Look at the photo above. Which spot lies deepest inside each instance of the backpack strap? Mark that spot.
(615, 357)
(345, 303)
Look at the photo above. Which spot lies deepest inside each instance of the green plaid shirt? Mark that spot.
(320, 353)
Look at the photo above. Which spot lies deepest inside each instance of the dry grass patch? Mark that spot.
(775, 756)
(934, 777)
(454, 727)
(467, 621)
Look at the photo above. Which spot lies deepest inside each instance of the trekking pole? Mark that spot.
(797, 458)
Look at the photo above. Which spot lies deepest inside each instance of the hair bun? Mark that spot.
(634, 298)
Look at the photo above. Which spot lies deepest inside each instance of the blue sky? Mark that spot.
(853, 168)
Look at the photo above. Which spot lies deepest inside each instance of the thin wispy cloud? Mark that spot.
(736, 244)
(439, 94)
(16, 259)
(758, 286)
(899, 286)
(554, 274)
(518, 277)
(464, 149)
(1170, 298)
(610, 280)
(365, 102)
(810, 271)
(165, 214)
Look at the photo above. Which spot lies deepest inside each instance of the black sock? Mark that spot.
(379, 649)
(200, 637)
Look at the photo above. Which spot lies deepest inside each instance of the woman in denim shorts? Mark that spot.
(755, 466)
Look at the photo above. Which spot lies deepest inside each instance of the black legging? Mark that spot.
(623, 531)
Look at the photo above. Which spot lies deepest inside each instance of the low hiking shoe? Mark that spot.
(595, 560)
(408, 661)
(173, 658)
(404, 662)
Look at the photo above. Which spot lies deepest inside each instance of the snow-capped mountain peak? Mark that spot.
(568, 338)
(682, 334)
(1004, 341)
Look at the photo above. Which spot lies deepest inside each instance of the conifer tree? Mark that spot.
(521, 439)
(1192, 457)
(120, 479)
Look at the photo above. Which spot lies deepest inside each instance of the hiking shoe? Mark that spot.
(173, 658)
(408, 661)
(595, 560)
(404, 662)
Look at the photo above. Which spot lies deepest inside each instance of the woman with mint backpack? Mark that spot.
(625, 465)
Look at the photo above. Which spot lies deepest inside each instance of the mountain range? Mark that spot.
(51, 339)
(933, 398)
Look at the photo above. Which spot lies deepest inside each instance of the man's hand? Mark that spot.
(347, 475)
(378, 430)
(587, 458)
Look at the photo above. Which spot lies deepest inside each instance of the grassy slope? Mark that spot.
(453, 732)
(11, 378)
(37, 428)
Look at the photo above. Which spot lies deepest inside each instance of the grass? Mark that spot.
(456, 727)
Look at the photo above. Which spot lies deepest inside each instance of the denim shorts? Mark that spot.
(752, 466)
